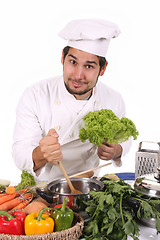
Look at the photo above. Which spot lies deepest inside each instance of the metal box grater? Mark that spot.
(147, 160)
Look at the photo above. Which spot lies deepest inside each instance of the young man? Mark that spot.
(49, 114)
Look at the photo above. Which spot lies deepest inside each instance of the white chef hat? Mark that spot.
(90, 35)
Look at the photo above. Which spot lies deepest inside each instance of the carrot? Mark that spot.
(3, 194)
(17, 192)
(21, 191)
(10, 190)
(21, 205)
(7, 198)
(10, 204)
(14, 202)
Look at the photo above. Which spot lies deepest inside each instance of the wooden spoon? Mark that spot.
(73, 190)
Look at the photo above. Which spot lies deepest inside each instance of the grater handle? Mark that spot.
(140, 144)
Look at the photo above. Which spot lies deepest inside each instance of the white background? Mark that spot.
(30, 51)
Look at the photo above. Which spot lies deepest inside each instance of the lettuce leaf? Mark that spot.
(104, 125)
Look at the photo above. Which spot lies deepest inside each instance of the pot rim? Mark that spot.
(147, 185)
(62, 180)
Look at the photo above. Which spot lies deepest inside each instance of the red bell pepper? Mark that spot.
(12, 222)
(69, 204)
(57, 206)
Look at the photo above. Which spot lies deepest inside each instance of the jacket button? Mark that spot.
(97, 104)
(57, 102)
(57, 127)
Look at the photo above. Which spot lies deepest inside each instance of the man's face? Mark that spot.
(80, 72)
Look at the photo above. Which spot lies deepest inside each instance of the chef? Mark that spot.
(49, 113)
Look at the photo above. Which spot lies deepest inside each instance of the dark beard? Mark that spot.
(77, 93)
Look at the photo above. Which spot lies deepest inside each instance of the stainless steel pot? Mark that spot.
(58, 189)
(148, 185)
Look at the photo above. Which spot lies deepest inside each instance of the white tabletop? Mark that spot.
(147, 233)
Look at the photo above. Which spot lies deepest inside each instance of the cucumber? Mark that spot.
(3, 184)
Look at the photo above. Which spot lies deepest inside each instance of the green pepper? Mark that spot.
(63, 216)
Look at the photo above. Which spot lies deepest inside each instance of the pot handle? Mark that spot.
(133, 203)
(45, 195)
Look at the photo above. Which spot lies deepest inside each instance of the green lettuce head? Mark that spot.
(104, 125)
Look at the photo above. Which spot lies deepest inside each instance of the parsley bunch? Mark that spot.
(104, 124)
(113, 217)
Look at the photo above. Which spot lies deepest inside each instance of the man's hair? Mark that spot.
(102, 60)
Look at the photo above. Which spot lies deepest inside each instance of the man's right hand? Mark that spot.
(49, 150)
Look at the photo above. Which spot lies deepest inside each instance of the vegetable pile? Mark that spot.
(113, 215)
(19, 215)
(104, 125)
(45, 221)
(17, 197)
(17, 200)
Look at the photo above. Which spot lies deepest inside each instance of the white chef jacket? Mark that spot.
(47, 105)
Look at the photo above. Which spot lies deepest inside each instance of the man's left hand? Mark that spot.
(109, 151)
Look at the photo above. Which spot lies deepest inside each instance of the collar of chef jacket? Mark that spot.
(78, 123)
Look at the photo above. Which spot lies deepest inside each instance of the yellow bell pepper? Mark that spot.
(38, 223)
